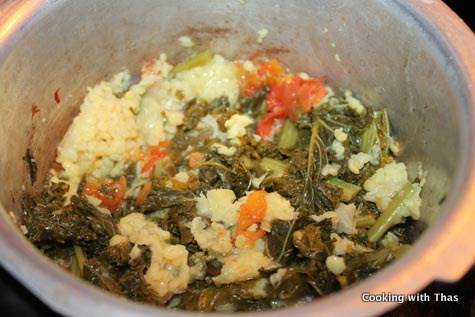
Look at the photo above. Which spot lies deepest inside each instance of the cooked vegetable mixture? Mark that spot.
(218, 185)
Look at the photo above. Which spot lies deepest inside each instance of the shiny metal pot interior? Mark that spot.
(413, 57)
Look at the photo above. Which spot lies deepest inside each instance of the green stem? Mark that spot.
(388, 218)
(369, 138)
(273, 165)
(75, 267)
(200, 59)
(80, 258)
(289, 135)
(308, 192)
(383, 127)
(326, 126)
(349, 190)
(364, 221)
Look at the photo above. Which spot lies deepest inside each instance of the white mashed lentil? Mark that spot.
(114, 123)
(169, 272)
(102, 137)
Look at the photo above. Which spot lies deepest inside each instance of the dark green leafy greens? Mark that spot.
(76, 233)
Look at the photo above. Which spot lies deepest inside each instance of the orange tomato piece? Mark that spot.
(143, 193)
(156, 153)
(195, 159)
(249, 81)
(310, 92)
(110, 192)
(289, 95)
(252, 211)
(282, 94)
(271, 68)
(266, 127)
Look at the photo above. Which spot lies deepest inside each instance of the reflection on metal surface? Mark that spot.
(18, 15)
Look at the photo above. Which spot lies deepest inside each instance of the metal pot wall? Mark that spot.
(414, 57)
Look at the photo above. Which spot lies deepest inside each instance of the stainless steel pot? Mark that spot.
(415, 57)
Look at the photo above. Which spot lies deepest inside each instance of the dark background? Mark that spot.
(15, 300)
(464, 8)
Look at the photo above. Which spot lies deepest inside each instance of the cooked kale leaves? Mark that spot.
(61, 227)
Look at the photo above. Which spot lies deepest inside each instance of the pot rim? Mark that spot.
(439, 254)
